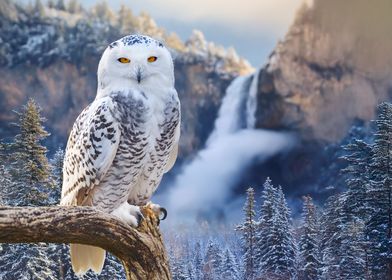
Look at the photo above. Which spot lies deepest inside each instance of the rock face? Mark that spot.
(52, 56)
(333, 67)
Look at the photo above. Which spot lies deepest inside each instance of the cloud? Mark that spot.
(258, 14)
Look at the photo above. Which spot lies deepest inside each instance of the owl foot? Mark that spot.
(129, 214)
(159, 211)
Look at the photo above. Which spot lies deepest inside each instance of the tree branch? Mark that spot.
(141, 250)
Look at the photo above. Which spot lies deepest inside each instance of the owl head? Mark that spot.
(135, 62)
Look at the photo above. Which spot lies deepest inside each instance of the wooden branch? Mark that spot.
(141, 250)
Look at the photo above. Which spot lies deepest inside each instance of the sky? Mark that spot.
(252, 27)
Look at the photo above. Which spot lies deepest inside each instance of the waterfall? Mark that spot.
(251, 104)
(229, 115)
(207, 181)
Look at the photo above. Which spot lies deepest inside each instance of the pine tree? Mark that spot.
(358, 154)
(198, 261)
(276, 246)
(212, 262)
(30, 167)
(25, 262)
(379, 225)
(308, 244)
(248, 238)
(354, 264)
(229, 266)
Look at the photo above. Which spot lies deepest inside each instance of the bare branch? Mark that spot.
(141, 250)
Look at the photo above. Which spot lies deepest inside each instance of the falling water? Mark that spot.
(207, 181)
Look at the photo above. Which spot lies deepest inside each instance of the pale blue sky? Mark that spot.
(251, 26)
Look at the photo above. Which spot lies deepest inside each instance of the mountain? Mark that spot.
(51, 53)
(333, 67)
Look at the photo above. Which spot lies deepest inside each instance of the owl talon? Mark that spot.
(139, 217)
(129, 214)
(164, 212)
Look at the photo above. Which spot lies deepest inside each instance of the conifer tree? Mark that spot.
(331, 239)
(308, 244)
(277, 248)
(379, 224)
(248, 238)
(229, 266)
(265, 221)
(198, 261)
(25, 262)
(212, 262)
(358, 155)
(30, 167)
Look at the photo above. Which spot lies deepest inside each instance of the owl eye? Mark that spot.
(124, 60)
(152, 59)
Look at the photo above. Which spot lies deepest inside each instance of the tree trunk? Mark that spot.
(141, 250)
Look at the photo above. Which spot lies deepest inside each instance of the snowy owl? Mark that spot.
(125, 140)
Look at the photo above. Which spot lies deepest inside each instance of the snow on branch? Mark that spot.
(141, 250)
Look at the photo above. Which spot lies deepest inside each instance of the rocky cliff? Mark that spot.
(333, 67)
(51, 54)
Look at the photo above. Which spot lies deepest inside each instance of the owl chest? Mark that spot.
(147, 136)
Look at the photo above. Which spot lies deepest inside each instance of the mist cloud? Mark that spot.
(207, 182)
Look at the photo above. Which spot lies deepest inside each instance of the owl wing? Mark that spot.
(90, 151)
(174, 152)
(176, 118)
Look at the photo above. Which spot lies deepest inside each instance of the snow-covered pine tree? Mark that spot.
(358, 155)
(230, 269)
(265, 222)
(60, 261)
(248, 237)
(354, 247)
(352, 264)
(212, 267)
(25, 262)
(30, 166)
(276, 244)
(379, 225)
(308, 244)
(331, 239)
(198, 261)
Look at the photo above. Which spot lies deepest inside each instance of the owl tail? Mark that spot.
(84, 257)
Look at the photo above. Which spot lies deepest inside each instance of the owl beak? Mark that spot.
(139, 75)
